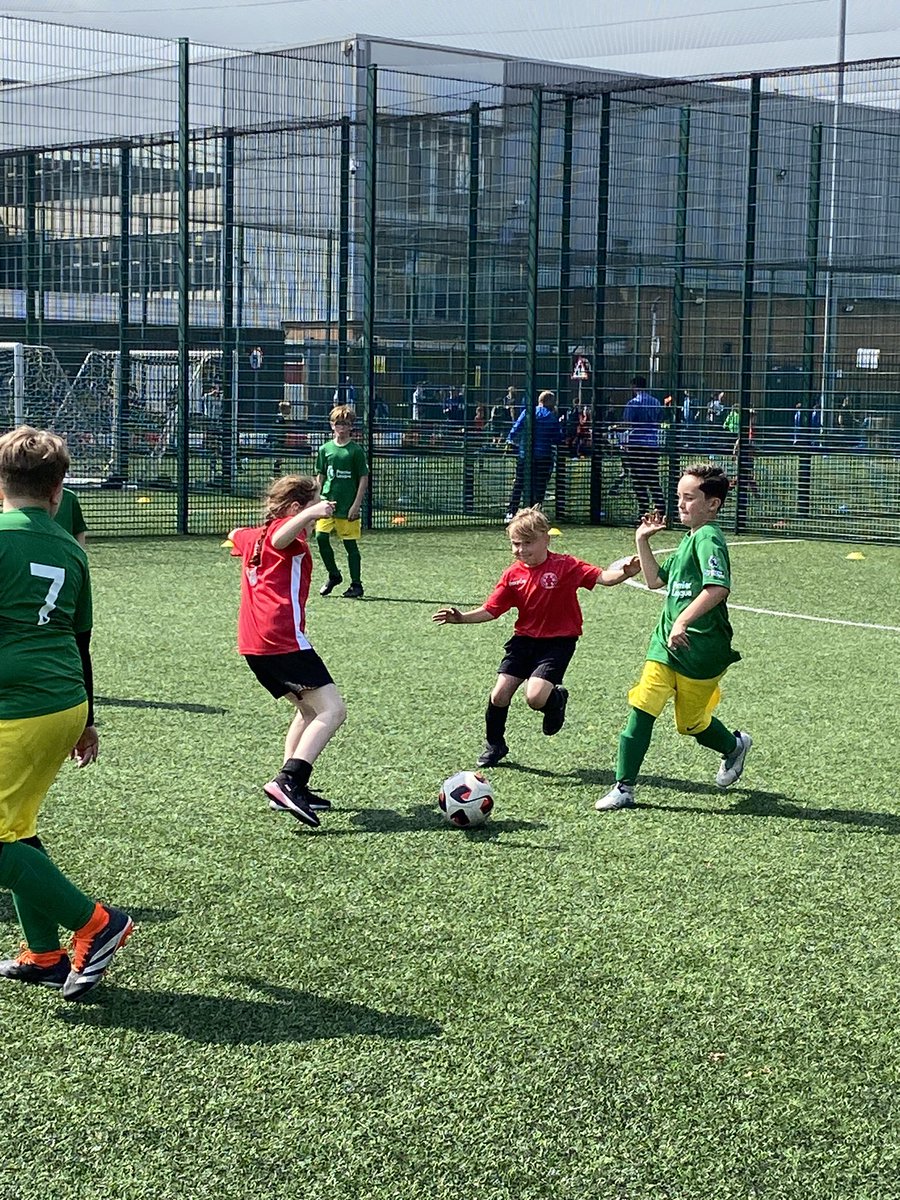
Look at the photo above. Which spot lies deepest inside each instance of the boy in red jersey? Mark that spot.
(544, 588)
(272, 636)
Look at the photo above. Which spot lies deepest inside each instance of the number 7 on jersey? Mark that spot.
(57, 577)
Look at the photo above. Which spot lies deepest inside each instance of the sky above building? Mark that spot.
(668, 38)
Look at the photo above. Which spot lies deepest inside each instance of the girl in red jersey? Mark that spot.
(277, 567)
(544, 588)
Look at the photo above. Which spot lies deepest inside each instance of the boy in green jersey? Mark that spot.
(46, 703)
(70, 516)
(343, 474)
(690, 648)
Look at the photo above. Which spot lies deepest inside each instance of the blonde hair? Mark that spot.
(342, 412)
(33, 462)
(528, 525)
(546, 397)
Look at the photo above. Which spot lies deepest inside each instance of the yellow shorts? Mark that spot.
(347, 531)
(32, 750)
(695, 699)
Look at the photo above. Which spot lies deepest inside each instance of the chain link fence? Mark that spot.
(201, 250)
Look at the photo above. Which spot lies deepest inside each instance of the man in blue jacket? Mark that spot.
(547, 436)
(642, 418)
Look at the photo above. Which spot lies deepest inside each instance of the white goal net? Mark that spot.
(35, 390)
(91, 413)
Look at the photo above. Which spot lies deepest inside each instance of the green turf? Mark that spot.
(697, 999)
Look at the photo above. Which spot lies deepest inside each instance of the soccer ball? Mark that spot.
(466, 799)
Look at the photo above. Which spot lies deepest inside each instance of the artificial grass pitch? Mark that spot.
(694, 999)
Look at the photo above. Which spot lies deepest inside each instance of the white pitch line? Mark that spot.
(772, 612)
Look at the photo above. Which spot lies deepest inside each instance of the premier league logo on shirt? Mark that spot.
(549, 580)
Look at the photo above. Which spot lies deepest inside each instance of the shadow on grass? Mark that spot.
(278, 1015)
(770, 804)
(424, 818)
(514, 766)
(165, 705)
(747, 802)
(419, 600)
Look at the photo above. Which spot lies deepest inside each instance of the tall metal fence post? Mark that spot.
(811, 283)
(564, 301)
(747, 304)
(598, 378)
(371, 212)
(229, 331)
(343, 252)
(184, 295)
(471, 301)
(531, 272)
(29, 246)
(681, 206)
(119, 467)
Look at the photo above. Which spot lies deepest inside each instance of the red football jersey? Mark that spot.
(546, 596)
(272, 615)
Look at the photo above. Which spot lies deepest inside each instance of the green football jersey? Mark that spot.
(701, 560)
(341, 468)
(45, 599)
(69, 514)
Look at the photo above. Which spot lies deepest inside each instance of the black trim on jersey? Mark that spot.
(83, 641)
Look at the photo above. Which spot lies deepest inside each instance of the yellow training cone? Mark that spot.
(554, 532)
(855, 556)
(228, 544)
(143, 499)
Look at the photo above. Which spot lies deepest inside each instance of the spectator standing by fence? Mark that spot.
(547, 436)
(642, 417)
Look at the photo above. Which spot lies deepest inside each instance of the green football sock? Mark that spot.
(323, 541)
(353, 560)
(634, 741)
(717, 737)
(41, 932)
(28, 873)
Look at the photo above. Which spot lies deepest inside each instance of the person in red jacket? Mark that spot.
(543, 587)
(277, 568)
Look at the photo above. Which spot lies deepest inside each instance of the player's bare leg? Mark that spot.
(320, 713)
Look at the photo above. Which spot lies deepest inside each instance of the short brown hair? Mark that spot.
(548, 399)
(713, 480)
(288, 490)
(343, 412)
(33, 462)
(528, 525)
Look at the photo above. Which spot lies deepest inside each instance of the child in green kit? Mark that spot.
(343, 475)
(690, 648)
(46, 716)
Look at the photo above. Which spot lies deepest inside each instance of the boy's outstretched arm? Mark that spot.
(620, 570)
(652, 524)
(453, 616)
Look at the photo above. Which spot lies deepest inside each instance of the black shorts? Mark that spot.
(298, 672)
(545, 658)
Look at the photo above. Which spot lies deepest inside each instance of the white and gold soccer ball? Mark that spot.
(466, 799)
